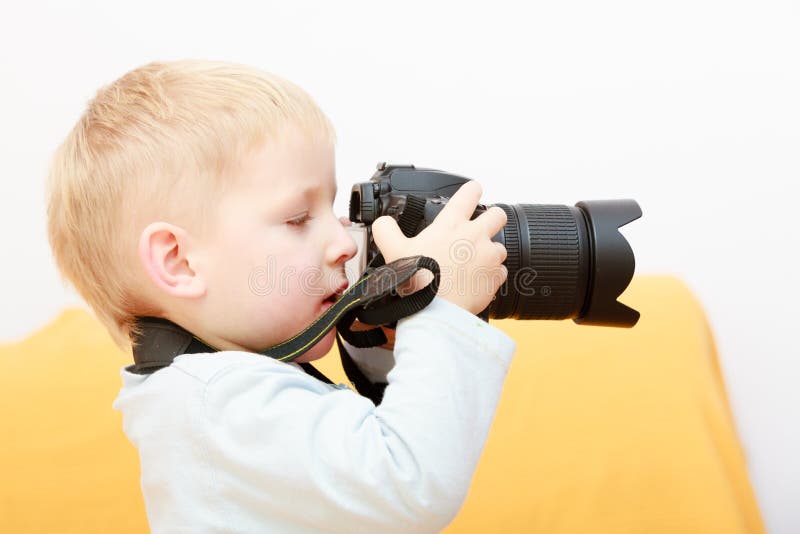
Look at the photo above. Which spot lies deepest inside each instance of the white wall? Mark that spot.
(690, 107)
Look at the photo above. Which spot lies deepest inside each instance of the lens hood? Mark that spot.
(612, 262)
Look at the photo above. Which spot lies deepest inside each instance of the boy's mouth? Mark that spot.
(333, 297)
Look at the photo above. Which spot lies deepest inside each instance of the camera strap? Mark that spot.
(373, 300)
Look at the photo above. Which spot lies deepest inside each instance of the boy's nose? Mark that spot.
(343, 247)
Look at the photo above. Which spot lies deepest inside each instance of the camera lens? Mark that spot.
(567, 262)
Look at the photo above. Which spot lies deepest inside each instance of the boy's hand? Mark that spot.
(470, 262)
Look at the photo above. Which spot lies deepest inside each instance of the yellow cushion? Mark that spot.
(610, 430)
(65, 463)
(598, 430)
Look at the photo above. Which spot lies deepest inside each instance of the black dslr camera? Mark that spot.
(563, 262)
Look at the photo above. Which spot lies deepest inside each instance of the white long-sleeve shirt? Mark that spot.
(237, 442)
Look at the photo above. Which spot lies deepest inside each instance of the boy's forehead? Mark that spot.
(291, 165)
(294, 182)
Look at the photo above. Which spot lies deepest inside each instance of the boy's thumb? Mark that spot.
(388, 237)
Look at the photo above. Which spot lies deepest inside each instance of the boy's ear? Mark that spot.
(166, 253)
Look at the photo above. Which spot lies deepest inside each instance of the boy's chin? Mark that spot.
(319, 350)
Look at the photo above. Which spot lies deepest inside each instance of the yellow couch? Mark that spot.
(598, 430)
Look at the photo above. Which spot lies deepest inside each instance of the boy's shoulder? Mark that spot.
(207, 365)
(195, 379)
(204, 368)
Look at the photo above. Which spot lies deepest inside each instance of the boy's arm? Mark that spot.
(306, 452)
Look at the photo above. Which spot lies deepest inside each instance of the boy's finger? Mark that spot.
(491, 221)
(388, 237)
(462, 204)
(345, 221)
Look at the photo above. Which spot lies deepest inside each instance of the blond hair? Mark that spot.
(164, 140)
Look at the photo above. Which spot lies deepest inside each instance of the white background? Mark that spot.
(690, 107)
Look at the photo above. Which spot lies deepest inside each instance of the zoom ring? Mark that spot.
(548, 285)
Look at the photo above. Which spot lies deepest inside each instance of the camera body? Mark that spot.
(563, 261)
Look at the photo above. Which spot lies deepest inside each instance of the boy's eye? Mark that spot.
(299, 221)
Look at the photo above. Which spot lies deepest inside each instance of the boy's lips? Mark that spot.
(337, 293)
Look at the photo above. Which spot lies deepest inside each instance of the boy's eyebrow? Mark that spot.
(308, 191)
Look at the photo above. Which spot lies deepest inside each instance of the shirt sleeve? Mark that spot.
(329, 459)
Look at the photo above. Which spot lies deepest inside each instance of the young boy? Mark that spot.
(178, 183)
